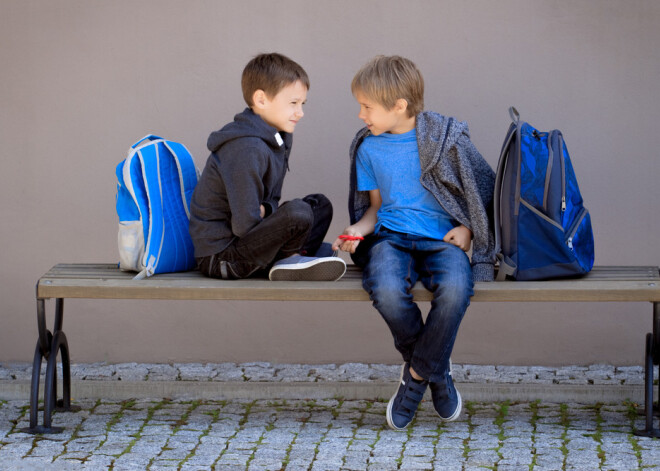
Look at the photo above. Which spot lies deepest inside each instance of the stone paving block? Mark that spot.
(416, 464)
(198, 467)
(130, 372)
(478, 372)
(384, 463)
(162, 372)
(519, 456)
(229, 372)
(586, 460)
(449, 465)
(258, 372)
(621, 463)
(345, 373)
(290, 375)
(196, 371)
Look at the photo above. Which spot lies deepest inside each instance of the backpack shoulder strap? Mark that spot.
(188, 174)
(148, 159)
(506, 265)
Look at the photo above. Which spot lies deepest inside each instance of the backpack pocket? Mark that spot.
(543, 245)
(130, 239)
(580, 240)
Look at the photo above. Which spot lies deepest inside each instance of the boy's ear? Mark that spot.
(259, 98)
(401, 105)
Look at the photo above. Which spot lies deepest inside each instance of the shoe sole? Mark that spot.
(388, 414)
(322, 269)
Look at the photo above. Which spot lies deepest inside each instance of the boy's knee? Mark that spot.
(299, 213)
(385, 291)
(319, 202)
(454, 294)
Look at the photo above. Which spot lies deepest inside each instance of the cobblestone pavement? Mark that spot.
(326, 434)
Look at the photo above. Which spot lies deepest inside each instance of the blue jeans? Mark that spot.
(396, 262)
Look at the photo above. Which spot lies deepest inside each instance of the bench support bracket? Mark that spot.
(651, 358)
(49, 345)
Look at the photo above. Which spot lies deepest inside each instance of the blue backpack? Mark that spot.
(542, 229)
(154, 186)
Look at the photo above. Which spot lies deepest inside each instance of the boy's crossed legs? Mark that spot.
(296, 227)
(396, 262)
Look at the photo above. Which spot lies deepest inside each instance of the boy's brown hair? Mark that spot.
(270, 73)
(386, 79)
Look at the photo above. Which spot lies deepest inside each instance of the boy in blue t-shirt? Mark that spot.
(419, 197)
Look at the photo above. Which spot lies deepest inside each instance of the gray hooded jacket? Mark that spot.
(455, 173)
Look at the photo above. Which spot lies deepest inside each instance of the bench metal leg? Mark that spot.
(651, 358)
(48, 347)
(656, 349)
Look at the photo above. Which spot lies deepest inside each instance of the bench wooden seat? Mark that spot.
(106, 281)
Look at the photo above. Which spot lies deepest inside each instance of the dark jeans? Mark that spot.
(396, 262)
(297, 226)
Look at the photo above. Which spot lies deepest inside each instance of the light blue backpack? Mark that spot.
(154, 186)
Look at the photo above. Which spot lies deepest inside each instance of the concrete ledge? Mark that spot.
(259, 390)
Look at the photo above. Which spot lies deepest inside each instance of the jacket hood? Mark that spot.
(248, 124)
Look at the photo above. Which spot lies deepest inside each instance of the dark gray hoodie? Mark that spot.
(246, 169)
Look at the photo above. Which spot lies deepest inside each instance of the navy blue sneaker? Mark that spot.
(403, 405)
(446, 398)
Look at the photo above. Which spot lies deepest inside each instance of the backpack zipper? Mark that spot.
(574, 227)
(560, 148)
(541, 215)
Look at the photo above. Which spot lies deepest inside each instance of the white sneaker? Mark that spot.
(300, 268)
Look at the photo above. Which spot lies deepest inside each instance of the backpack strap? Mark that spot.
(187, 171)
(515, 116)
(506, 265)
(146, 140)
(148, 158)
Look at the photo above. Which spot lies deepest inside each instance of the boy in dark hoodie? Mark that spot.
(419, 195)
(237, 224)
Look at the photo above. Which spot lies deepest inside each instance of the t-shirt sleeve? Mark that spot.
(366, 180)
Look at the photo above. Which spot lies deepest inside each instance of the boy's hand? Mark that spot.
(347, 245)
(262, 211)
(459, 236)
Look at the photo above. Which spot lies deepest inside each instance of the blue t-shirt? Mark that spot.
(390, 163)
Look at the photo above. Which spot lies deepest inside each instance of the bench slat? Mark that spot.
(106, 281)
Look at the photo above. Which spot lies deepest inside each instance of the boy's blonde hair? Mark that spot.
(385, 79)
(270, 73)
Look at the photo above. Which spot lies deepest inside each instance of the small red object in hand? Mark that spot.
(350, 237)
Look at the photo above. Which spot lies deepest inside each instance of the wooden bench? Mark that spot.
(105, 281)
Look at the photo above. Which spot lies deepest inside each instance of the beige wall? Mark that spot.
(80, 81)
